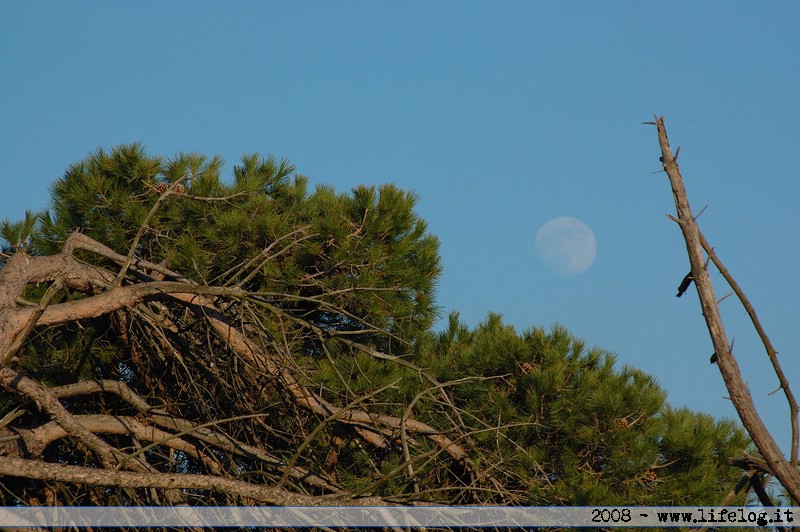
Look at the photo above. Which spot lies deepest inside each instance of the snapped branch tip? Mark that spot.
(696, 216)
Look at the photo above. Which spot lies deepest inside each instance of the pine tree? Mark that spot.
(253, 331)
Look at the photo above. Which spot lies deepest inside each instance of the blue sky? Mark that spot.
(501, 116)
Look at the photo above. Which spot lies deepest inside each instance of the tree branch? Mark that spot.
(737, 389)
(13, 381)
(33, 469)
(161, 418)
(194, 297)
(771, 352)
(32, 320)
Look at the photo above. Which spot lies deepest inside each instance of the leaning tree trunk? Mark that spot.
(786, 474)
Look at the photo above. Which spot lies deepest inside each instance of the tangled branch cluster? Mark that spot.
(227, 419)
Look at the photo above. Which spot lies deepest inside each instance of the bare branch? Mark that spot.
(13, 381)
(142, 228)
(771, 352)
(737, 388)
(33, 469)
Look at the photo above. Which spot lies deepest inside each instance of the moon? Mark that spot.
(566, 245)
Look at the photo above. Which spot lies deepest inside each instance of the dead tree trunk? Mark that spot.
(737, 389)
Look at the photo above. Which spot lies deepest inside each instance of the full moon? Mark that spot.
(566, 245)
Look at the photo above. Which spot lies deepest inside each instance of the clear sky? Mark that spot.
(500, 115)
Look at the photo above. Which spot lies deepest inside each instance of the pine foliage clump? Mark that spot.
(564, 426)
